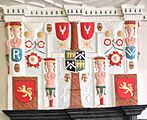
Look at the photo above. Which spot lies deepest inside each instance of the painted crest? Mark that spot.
(16, 54)
(49, 27)
(131, 52)
(87, 30)
(24, 90)
(74, 60)
(62, 30)
(17, 67)
(125, 87)
(99, 26)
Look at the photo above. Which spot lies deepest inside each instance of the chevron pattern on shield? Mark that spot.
(74, 60)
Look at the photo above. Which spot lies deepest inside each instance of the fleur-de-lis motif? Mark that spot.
(62, 30)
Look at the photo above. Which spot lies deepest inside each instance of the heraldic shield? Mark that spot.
(74, 60)
(25, 93)
(125, 89)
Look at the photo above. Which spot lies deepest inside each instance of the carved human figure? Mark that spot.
(100, 76)
(130, 42)
(13, 32)
(50, 79)
(15, 42)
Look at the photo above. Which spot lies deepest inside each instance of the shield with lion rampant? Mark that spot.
(25, 93)
(125, 89)
(24, 90)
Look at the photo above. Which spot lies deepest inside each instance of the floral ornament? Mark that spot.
(115, 58)
(28, 44)
(33, 60)
(107, 42)
(41, 44)
(62, 45)
(36, 46)
(119, 42)
(87, 44)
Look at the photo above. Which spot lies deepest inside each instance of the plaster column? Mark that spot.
(75, 98)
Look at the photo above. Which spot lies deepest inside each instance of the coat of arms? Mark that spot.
(126, 89)
(74, 60)
(62, 30)
(87, 30)
(24, 90)
(62, 33)
(25, 93)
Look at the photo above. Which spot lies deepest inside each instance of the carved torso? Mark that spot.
(130, 41)
(50, 79)
(100, 77)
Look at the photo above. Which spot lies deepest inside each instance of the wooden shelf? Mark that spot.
(109, 113)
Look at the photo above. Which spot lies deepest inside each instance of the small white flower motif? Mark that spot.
(119, 42)
(107, 42)
(41, 44)
(28, 44)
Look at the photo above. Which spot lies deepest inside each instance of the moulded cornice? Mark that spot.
(75, 13)
(131, 12)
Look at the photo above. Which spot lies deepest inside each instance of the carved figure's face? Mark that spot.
(49, 65)
(16, 31)
(129, 30)
(100, 65)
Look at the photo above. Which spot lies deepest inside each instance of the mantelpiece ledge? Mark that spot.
(107, 113)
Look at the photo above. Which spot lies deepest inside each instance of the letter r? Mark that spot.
(16, 54)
